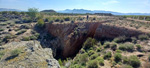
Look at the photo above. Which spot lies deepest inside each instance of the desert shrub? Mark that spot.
(25, 27)
(92, 64)
(127, 66)
(107, 44)
(33, 37)
(91, 52)
(118, 57)
(51, 22)
(57, 20)
(133, 40)
(27, 20)
(25, 38)
(32, 12)
(100, 60)
(40, 23)
(37, 35)
(15, 52)
(94, 56)
(60, 62)
(120, 39)
(83, 58)
(98, 49)
(143, 37)
(138, 46)
(126, 47)
(61, 21)
(2, 53)
(46, 20)
(9, 36)
(125, 60)
(107, 55)
(1, 29)
(67, 19)
(134, 61)
(113, 46)
(118, 51)
(89, 43)
(21, 32)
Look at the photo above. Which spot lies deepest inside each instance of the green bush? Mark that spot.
(120, 39)
(107, 55)
(91, 52)
(92, 64)
(21, 32)
(113, 46)
(100, 60)
(57, 20)
(99, 49)
(60, 62)
(118, 51)
(15, 52)
(1, 29)
(138, 46)
(125, 60)
(25, 38)
(94, 56)
(118, 57)
(134, 61)
(40, 23)
(84, 58)
(89, 43)
(126, 47)
(134, 40)
(33, 37)
(67, 19)
(32, 12)
(107, 44)
(143, 37)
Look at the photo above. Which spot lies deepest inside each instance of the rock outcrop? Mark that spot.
(72, 36)
(26, 54)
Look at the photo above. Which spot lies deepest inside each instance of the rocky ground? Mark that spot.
(26, 54)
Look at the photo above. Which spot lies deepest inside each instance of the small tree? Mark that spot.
(32, 12)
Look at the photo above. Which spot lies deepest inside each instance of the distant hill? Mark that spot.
(52, 11)
(6, 9)
(83, 11)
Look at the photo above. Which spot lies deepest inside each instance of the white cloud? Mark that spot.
(110, 2)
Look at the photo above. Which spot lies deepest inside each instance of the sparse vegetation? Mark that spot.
(118, 57)
(107, 55)
(126, 47)
(143, 37)
(26, 38)
(40, 23)
(92, 64)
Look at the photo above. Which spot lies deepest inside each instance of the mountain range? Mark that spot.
(6, 9)
(83, 11)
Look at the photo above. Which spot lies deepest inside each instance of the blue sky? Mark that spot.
(124, 6)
